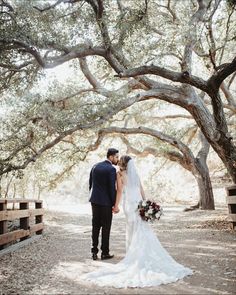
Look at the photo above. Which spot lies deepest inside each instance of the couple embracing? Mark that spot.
(146, 262)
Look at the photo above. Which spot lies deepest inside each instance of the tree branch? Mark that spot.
(232, 79)
(186, 64)
(131, 84)
(5, 4)
(170, 155)
(229, 97)
(55, 4)
(87, 73)
(102, 118)
(177, 116)
(184, 77)
(222, 72)
(151, 132)
(78, 51)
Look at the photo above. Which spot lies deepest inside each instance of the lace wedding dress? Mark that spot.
(146, 262)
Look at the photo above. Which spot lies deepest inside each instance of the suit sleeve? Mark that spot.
(112, 185)
(91, 179)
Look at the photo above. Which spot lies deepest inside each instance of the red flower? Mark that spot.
(142, 212)
(144, 207)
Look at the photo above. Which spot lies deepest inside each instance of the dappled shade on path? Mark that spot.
(54, 263)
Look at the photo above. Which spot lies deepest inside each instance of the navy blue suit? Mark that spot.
(102, 183)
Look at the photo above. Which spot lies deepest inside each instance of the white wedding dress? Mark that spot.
(146, 262)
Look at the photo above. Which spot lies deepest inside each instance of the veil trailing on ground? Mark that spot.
(146, 262)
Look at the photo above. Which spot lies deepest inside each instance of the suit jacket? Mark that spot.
(102, 182)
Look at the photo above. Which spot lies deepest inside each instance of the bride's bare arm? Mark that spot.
(118, 192)
(142, 192)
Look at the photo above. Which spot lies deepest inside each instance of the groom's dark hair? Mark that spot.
(112, 152)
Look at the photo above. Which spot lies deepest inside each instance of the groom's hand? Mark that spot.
(115, 209)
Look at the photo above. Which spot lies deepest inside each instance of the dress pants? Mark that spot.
(102, 218)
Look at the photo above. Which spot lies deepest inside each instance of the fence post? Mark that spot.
(24, 221)
(231, 201)
(39, 218)
(3, 223)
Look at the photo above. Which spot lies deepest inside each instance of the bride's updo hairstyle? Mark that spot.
(124, 162)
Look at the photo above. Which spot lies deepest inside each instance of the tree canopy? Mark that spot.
(121, 54)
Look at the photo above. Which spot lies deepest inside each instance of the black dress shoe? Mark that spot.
(106, 256)
(94, 256)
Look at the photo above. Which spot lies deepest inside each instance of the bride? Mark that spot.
(146, 262)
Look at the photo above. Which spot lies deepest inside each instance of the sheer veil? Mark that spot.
(133, 183)
(132, 175)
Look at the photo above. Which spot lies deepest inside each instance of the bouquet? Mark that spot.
(149, 211)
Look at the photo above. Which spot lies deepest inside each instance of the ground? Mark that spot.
(200, 240)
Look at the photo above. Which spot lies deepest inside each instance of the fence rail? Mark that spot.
(24, 214)
(231, 202)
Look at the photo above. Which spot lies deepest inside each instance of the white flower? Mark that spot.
(144, 203)
(146, 214)
(157, 215)
(150, 211)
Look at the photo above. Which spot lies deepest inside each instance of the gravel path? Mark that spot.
(200, 240)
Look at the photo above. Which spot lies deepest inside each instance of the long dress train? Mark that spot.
(146, 262)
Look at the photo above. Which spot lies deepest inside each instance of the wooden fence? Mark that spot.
(231, 201)
(26, 216)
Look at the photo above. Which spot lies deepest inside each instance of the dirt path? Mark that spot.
(52, 264)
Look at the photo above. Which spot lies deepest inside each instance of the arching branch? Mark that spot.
(151, 132)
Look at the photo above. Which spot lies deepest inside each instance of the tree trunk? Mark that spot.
(224, 145)
(201, 172)
(206, 198)
(215, 131)
(226, 150)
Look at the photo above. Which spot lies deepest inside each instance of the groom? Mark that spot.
(102, 182)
